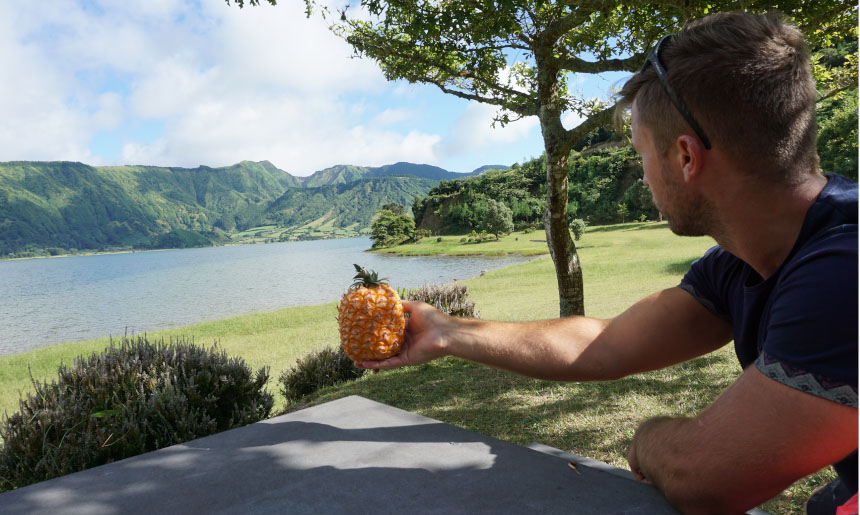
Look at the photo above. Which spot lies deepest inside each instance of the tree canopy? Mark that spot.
(521, 56)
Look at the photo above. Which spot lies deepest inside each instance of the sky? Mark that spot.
(197, 82)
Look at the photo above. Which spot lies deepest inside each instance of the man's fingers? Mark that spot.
(384, 364)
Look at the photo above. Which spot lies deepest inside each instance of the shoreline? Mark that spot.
(169, 329)
(134, 251)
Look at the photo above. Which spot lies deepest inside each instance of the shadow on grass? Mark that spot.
(632, 226)
(591, 419)
(681, 267)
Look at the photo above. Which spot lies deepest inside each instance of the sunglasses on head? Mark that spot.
(654, 60)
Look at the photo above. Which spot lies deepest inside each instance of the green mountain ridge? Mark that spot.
(344, 174)
(57, 207)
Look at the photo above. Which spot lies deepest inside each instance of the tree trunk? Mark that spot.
(568, 270)
(557, 145)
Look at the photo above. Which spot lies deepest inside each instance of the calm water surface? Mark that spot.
(48, 301)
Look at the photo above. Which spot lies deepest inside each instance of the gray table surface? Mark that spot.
(351, 455)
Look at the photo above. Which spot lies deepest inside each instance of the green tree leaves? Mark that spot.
(499, 220)
(389, 229)
(837, 137)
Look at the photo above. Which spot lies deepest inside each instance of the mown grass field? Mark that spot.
(531, 244)
(621, 263)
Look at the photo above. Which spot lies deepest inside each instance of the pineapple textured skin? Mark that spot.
(371, 323)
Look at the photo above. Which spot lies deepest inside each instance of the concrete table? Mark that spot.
(351, 455)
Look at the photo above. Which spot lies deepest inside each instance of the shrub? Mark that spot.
(452, 299)
(326, 367)
(499, 219)
(389, 229)
(577, 227)
(130, 399)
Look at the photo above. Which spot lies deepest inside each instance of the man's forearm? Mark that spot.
(553, 349)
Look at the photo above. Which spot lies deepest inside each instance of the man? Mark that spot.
(723, 115)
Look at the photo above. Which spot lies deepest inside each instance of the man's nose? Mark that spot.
(645, 180)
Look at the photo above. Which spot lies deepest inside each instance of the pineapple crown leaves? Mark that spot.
(366, 278)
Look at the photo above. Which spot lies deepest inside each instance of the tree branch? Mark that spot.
(522, 109)
(384, 51)
(558, 28)
(599, 119)
(834, 92)
(602, 5)
(577, 65)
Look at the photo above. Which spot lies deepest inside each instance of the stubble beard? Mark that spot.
(690, 214)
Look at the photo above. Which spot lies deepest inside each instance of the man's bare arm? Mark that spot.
(757, 439)
(663, 329)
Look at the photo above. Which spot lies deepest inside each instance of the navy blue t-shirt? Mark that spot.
(798, 327)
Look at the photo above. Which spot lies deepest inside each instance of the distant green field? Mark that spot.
(255, 231)
(526, 244)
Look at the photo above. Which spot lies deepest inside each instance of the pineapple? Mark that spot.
(370, 317)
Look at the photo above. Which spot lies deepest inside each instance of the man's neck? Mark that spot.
(761, 224)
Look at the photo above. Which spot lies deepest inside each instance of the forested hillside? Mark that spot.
(346, 204)
(62, 206)
(344, 174)
(605, 187)
(58, 207)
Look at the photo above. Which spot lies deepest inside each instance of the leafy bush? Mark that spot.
(326, 367)
(577, 227)
(837, 136)
(452, 299)
(130, 399)
(390, 229)
(499, 218)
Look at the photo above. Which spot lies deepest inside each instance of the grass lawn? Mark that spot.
(531, 244)
(621, 263)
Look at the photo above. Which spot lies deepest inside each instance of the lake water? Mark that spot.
(48, 301)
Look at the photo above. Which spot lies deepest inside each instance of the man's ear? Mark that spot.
(690, 156)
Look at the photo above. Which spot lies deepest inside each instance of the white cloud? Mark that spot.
(473, 130)
(171, 87)
(37, 123)
(571, 119)
(225, 84)
(109, 113)
(265, 128)
(392, 116)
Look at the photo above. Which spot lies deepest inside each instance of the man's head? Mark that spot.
(688, 211)
(746, 81)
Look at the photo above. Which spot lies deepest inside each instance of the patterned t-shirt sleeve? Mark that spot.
(811, 340)
(704, 279)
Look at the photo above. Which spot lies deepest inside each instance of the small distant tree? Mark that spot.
(391, 229)
(499, 219)
(621, 209)
(577, 227)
